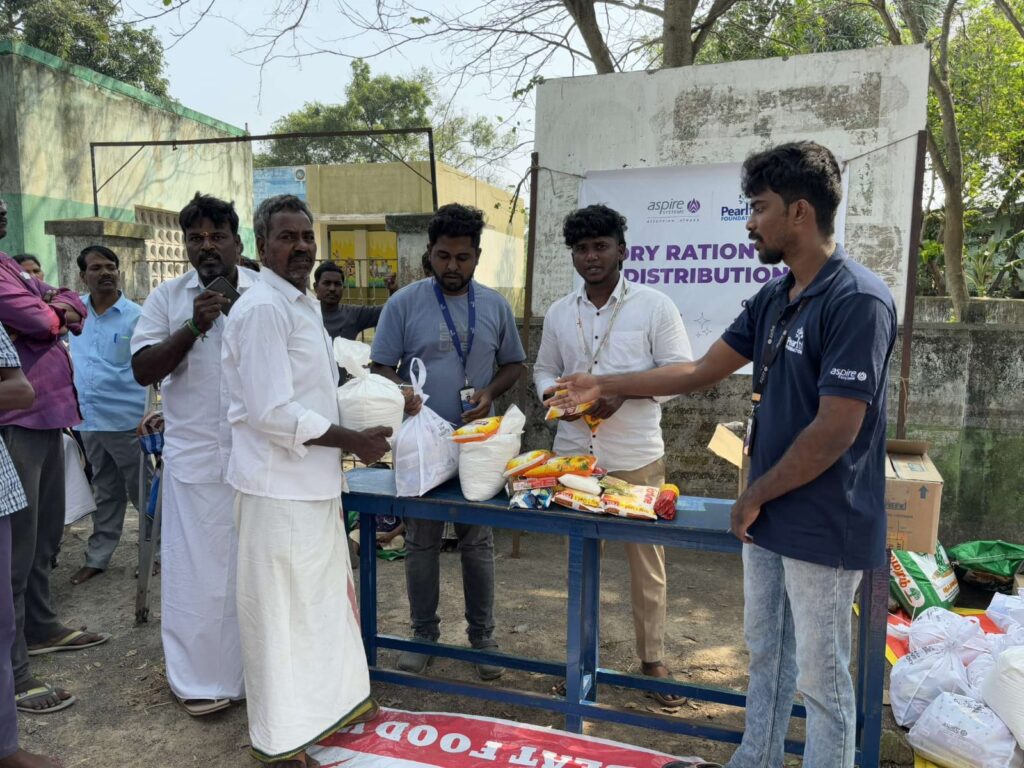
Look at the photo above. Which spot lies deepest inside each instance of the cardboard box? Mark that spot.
(913, 487)
(727, 442)
(1018, 579)
(913, 496)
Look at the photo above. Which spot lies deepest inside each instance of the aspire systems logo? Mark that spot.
(678, 209)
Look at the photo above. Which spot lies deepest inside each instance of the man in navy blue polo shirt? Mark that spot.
(813, 517)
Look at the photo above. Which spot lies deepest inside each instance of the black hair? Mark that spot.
(800, 170)
(21, 258)
(456, 220)
(327, 266)
(208, 207)
(102, 250)
(425, 263)
(594, 221)
(277, 204)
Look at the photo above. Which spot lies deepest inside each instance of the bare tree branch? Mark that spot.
(1004, 6)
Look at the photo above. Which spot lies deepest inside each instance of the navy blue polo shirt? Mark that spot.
(839, 344)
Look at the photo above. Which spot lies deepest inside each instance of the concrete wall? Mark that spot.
(965, 399)
(866, 106)
(362, 194)
(55, 109)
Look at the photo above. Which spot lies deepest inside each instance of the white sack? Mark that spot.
(1003, 690)
(959, 732)
(919, 677)
(423, 452)
(1006, 610)
(936, 626)
(78, 498)
(977, 671)
(368, 400)
(482, 463)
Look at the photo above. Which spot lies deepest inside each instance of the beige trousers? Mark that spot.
(647, 576)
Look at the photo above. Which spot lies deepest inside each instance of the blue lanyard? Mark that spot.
(452, 331)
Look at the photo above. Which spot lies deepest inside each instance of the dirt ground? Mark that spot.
(126, 716)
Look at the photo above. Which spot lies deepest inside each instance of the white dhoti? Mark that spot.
(199, 622)
(305, 668)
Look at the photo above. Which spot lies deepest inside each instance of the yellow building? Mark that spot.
(350, 202)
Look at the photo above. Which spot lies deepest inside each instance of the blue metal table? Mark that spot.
(701, 524)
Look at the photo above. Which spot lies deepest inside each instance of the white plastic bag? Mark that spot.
(368, 400)
(482, 463)
(936, 626)
(919, 677)
(1006, 610)
(1003, 690)
(959, 732)
(977, 671)
(423, 452)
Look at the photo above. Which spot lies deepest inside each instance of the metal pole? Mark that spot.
(911, 289)
(95, 191)
(433, 167)
(531, 254)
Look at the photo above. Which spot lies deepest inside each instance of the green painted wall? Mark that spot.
(54, 110)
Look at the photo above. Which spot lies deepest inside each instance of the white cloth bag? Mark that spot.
(919, 677)
(482, 463)
(422, 448)
(1003, 689)
(959, 732)
(368, 400)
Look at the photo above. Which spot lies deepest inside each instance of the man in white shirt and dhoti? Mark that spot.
(604, 326)
(178, 341)
(305, 669)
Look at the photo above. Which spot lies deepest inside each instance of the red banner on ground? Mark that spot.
(398, 739)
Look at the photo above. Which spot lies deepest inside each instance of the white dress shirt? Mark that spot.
(646, 332)
(283, 385)
(197, 438)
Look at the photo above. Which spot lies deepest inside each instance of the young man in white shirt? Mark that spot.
(305, 670)
(610, 326)
(177, 340)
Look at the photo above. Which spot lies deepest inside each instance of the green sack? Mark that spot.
(918, 581)
(999, 558)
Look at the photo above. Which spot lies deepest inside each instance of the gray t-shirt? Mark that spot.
(412, 326)
(349, 320)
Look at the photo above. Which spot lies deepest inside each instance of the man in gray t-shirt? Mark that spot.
(466, 336)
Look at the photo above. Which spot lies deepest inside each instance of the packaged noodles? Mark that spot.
(526, 461)
(581, 502)
(569, 410)
(564, 465)
(481, 429)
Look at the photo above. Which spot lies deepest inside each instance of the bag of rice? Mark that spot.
(919, 677)
(482, 461)
(918, 581)
(424, 455)
(960, 732)
(368, 399)
(936, 626)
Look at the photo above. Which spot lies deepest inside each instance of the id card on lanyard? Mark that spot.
(467, 391)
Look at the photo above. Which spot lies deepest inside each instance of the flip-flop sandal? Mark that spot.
(665, 699)
(203, 707)
(67, 643)
(37, 692)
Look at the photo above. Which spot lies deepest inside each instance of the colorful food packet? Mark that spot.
(612, 483)
(592, 421)
(516, 484)
(526, 461)
(581, 502)
(570, 410)
(481, 429)
(665, 504)
(564, 465)
(637, 502)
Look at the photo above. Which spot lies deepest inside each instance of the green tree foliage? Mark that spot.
(89, 33)
(386, 102)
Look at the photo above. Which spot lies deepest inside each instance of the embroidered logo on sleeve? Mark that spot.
(795, 343)
(845, 374)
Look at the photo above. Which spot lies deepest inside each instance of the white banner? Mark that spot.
(687, 238)
(399, 739)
